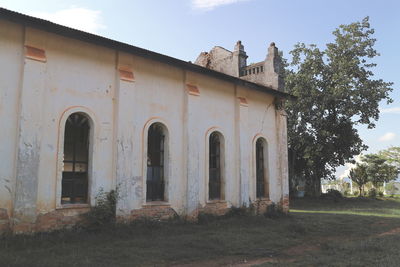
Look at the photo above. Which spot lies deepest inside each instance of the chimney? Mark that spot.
(273, 69)
(239, 58)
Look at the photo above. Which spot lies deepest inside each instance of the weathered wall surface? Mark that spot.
(11, 54)
(46, 77)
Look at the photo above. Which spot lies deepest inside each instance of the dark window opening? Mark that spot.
(214, 183)
(155, 163)
(262, 68)
(258, 70)
(260, 170)
(254, 71)
(76, 160)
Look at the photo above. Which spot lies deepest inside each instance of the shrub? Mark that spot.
(104, 212)
(333, 194)
(372, 193)
(380, 193)
(274, 211)
(237, 212)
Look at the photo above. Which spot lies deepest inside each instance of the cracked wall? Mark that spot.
(123, 95)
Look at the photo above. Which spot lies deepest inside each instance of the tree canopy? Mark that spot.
(336, 91)
(375, 169)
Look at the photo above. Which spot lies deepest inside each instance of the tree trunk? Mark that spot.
(313, 186)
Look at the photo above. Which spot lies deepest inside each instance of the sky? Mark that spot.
(184, 28)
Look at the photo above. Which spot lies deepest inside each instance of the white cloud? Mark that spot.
(349, 167)
(211, 4)
(387, 137)
(75, 17)
(395, 110)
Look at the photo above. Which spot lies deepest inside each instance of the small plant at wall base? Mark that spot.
(104, 212)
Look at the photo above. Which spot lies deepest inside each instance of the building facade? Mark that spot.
(82, 114)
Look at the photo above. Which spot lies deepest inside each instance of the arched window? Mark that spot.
(76, 159)
(155, 182)
(215, 178)
(261, 169)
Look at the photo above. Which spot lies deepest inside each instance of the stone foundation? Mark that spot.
(261, 205)
(4, 221)
(54, 220)
(58, 219)
(285, 204)
(218, 208)
(154, 211)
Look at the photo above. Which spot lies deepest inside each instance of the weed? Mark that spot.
(104, 212)
(274, 211)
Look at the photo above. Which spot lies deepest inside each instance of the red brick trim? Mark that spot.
(192, 90)
(243, 101)
(126, 75)
(35, 53)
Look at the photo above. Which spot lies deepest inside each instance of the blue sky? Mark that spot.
(184, 28)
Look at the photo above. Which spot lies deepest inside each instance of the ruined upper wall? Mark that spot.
(267, 72)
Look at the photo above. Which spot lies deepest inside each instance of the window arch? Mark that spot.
(75, 172)
(262, 179)
(216, 167)
(156, 162)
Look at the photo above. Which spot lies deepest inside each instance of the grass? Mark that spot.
(351, 232)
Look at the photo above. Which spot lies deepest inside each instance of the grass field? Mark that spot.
(351, 232)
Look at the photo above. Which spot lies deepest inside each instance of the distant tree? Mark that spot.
(378, 170)
(336, 91)
(392, 155)
(359, 176)
(391, 188)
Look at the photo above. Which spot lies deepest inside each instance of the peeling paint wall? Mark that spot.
(45, 77)
(11, 54)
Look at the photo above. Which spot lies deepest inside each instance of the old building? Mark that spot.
(81, 113)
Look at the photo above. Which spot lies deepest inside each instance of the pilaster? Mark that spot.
(30, 132)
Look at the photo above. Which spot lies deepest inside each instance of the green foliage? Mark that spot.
(274, 211)
(378, 170)
(391, 155)
(240, 211)
(374, 169)
(333, 194)
(104, 212)
(336, 91)
(391, 188)
(359, 176)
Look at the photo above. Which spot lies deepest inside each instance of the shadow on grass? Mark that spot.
(326, 229)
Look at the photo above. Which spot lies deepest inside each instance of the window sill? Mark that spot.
(73, 206)
(156, 203)
(216, 201)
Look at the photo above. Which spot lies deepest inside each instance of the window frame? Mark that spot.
(60, 155)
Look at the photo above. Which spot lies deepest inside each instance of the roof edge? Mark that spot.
(113, 44)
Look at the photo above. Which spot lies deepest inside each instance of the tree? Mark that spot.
(392, 155)
(359, 176)
(391, 188)
(378, 170)
(336, 91)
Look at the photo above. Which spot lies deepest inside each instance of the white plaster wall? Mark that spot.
(11, 58)
(84, 77)
(262, 122)
(215, 110)
(158, 97)
(79, 76)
